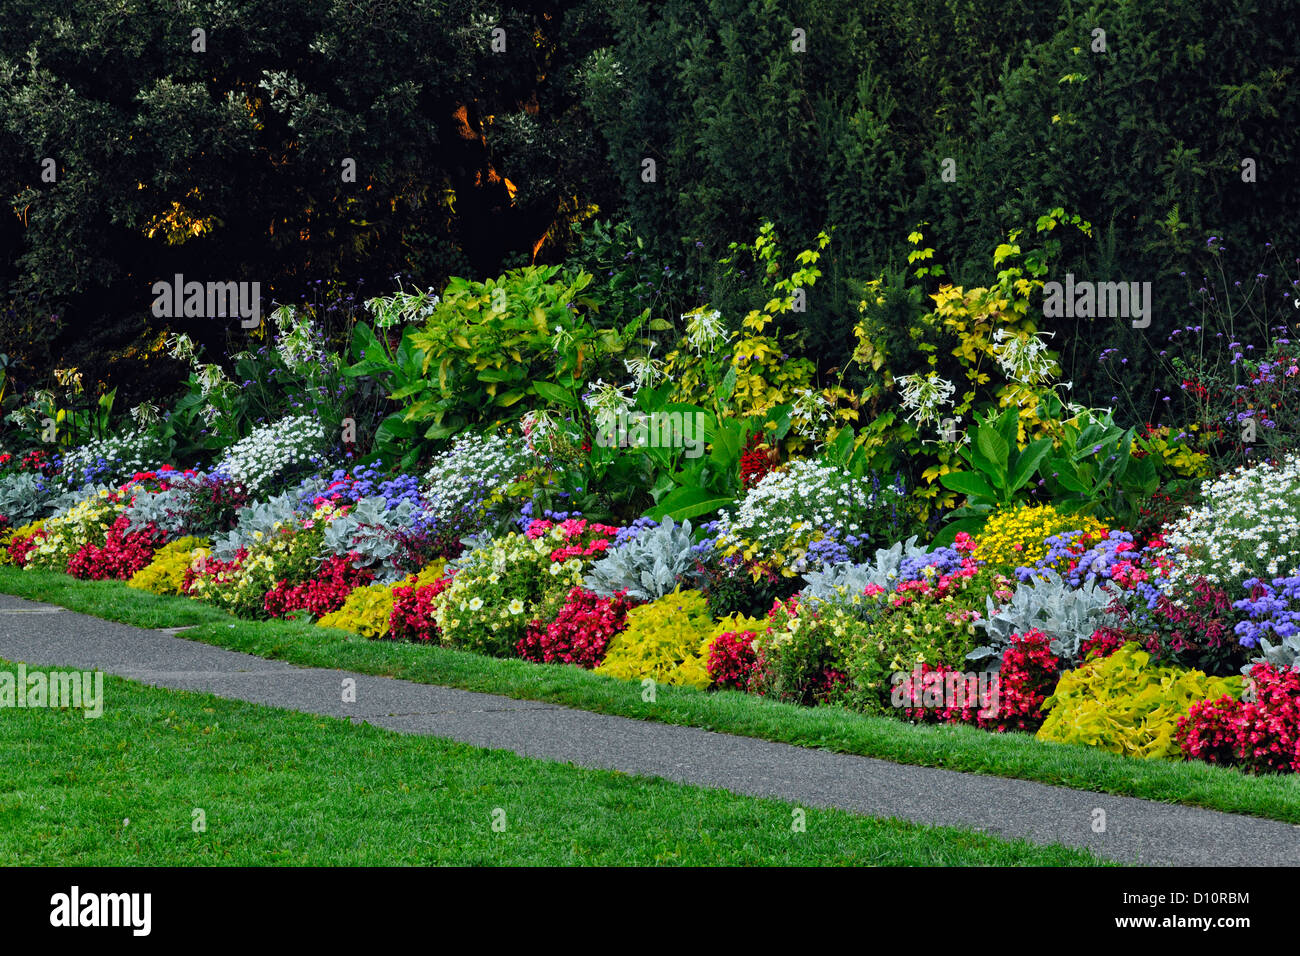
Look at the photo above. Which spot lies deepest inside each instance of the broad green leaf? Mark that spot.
(968, 483)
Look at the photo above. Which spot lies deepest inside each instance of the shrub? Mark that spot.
(662, 642)
(1126, 704)
(1260, 733)
(801, 657)
(931, 620)
(502, 586)
(284, 556)
(86, 522)
(580, 633)
(165, 574)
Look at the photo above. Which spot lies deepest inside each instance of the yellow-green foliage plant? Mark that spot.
(665, 640)
(165, 574)
(766, 371)
(366, 612)
(1125, 704)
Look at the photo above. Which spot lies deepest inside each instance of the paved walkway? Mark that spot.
(1136, 831)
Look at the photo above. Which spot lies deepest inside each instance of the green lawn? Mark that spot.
(830, 728)
(278, 787)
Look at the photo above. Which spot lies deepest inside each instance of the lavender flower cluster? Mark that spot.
(1274, 608)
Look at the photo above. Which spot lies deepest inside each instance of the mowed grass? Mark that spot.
(832, 728)
(279, 787)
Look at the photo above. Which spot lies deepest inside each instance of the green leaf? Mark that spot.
(1061, 470)
(993, 447)
(728, 385)
(553, 393)
(687, 503)
(1027, 463)
(968, 483)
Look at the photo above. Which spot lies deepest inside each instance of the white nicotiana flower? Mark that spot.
(809, 411)
(181, 346)
(146, 413)
(607, 403)
(1024, 358)
(645, 371)
(925, 396)
(704, 330)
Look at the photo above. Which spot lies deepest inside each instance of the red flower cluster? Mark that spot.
(35, 460)
(123, 553)
(755, 461)
(580, 633)
(212, 568)
(1014, 702)
(732, 659)
(1261, 735)
(21, 547)
(325, 594)
(1027, 679)
(412, 615)
(1104, 642)
(582, 539)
